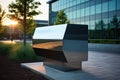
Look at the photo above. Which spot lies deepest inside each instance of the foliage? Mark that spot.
(17, 8)
(115, 21)
(116, 24)
(61, 18)
(31, 25)
(4, 48)
(21, 52)
(104, 41)
(2, 15)
(100, 25)
(103, 30)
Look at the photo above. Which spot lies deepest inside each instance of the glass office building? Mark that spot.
(101, 16)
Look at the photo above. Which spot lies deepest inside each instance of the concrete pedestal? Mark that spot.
(52, 73)
(63, 66)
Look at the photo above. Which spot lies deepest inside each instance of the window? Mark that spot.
(92, 25)
(105, 26)
(54, 7)
(78, 1)
(74, 2)
(98, 8)
(111, 23)
(87, 22)
(105, 7)
(112, 14)
(105, 15)
(98, 16)
(92, 2)
(77, 20)
(98, 2)
(82, 1)
(78, 13)
(112, 5)
(87, 10)
(118, 4)
(98, 25)
(92, 10)
(70, 15)
(119, 23)
(82, 12)
(74, 14)
(71, 4)
(112, 31)
(67, 5)
(86, 18)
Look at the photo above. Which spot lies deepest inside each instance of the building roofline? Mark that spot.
(40, 20)
(51, 1)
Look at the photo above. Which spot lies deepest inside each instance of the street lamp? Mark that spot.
(11, 23)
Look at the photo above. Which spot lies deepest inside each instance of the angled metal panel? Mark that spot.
(75, 43)
(50, 32)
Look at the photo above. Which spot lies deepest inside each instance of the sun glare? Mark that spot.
(8, 22)
(8, 42)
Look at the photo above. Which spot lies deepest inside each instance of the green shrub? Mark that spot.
(5, 48)
(21, 52)
(104, 41)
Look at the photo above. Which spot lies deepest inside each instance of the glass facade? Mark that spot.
(101, 16)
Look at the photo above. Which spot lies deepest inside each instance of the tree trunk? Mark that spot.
(24, 23)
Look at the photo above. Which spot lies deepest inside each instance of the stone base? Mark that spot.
(63, 66)
(52, 73)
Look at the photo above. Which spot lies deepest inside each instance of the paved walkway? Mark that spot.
(106, 48)
(103, 61)
(103, 64)
(100, 66)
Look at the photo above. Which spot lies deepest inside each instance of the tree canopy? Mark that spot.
(2, 15)
(17, 8)
(61, 18)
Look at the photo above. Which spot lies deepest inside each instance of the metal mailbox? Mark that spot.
(64, 46)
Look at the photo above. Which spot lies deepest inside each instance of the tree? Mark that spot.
(115, 24)
(17, 8)
(2, 15)
(25, 9)
(100, 29)
(31, 24)
(100, 25)
(61, 18)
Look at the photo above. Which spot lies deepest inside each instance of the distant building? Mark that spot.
(17, 34)
(40, 23)
(101, 16)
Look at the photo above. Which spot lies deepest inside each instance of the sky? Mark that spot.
(43, 8)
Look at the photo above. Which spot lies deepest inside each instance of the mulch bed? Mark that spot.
(11, 70)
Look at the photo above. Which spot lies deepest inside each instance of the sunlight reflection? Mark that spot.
(8, 42)
(49, 45)
(37, 66)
